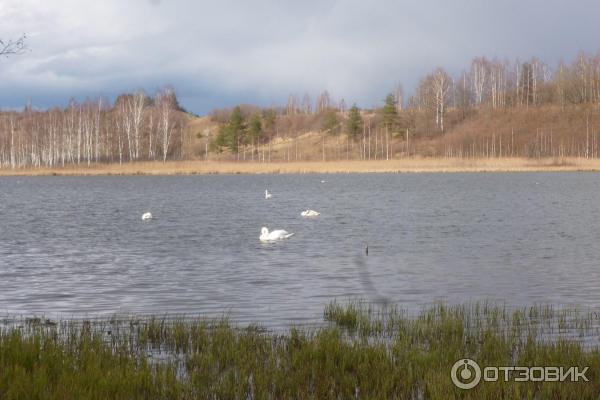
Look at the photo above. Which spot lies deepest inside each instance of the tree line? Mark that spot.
(135, 127)
(499, 84)
(487, 83)
(439, 102)
(247, 132)
(138, 127)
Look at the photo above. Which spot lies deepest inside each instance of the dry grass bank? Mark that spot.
(400, 166)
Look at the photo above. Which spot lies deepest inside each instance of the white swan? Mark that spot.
(310, 213)
(278, 234)
(146, 216)
(267, 194)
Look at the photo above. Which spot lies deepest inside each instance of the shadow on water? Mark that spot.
(75, 247)
(362, 266)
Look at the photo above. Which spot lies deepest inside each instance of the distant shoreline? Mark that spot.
(407, 165)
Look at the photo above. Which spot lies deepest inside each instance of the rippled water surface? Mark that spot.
(75, 246)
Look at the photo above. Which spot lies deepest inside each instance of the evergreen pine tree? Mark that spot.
(390, 113)
(354, 122)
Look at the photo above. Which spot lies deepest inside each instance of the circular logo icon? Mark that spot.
(465, 373)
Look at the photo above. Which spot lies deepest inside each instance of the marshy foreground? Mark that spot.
(360, 351)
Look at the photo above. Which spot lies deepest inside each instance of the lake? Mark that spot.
(74, 247)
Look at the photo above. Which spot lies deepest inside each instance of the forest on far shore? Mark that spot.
(493, 108)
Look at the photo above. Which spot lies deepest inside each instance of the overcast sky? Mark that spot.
(222, 53)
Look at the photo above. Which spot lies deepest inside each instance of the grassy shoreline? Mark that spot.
(365, 352)
(410, 165)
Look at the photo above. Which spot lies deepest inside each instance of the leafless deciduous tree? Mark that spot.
(433, 95)
(342, 106)
(478, 77)
(292, 105)
(168, 123)
(134, 128)
(12, 46)
(306, 104)
(323, 102)
(441, 87)
(399, 97)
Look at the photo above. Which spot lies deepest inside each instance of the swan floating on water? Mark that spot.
(278, 234)
(267, 194)
(146, 216)
(310, 213)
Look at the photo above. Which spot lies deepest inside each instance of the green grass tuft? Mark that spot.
(362, 352)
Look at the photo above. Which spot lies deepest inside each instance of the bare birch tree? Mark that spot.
(441, 87)
(478, 77)
(13, 46)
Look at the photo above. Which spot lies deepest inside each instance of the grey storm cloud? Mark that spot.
(219, 54)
